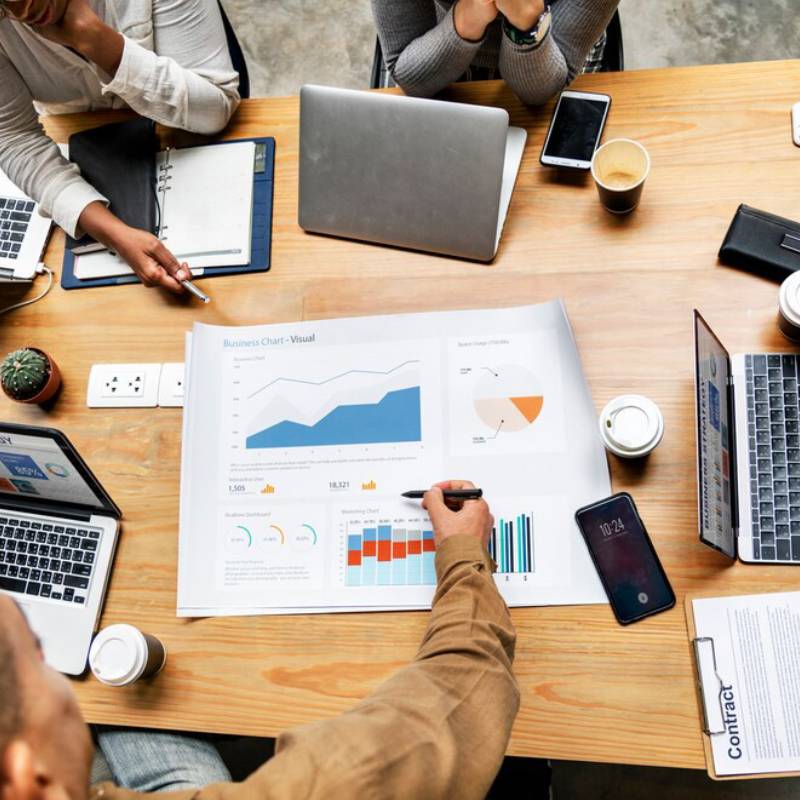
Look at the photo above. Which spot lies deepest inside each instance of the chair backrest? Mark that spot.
(613, 56)
(237, 56)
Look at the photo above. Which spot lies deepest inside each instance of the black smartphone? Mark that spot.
(625, 558)
(575, 130)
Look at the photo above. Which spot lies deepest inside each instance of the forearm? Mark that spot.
(101, 224)
(100, 44)
(440, 726)
(422, 55)
(537, 74)
(33, 161)
(189, 81)
(577, 25)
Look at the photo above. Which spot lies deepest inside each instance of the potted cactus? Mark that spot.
(29, 375)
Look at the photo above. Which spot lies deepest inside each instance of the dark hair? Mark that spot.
(10, 716)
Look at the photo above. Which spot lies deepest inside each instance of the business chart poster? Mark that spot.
(299, 440)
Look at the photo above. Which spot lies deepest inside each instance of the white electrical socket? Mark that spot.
(171, 386)
(123, 386)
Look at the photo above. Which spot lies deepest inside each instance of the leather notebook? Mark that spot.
(762, 243)
(119, 161)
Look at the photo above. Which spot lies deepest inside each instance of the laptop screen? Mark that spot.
(714, 439)
(39, 468)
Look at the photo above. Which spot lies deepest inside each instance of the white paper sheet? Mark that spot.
(207, 208)
(755, 695)
(299, 439)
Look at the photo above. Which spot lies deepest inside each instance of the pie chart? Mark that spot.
(508, 398)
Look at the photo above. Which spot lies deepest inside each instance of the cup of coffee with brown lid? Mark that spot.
(619, 168)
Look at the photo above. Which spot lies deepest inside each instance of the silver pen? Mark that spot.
(200, 295)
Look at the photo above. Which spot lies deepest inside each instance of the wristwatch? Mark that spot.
(533, 37)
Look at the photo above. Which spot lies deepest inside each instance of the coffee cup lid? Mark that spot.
(118, 655)
(631, 425)
(789, 298)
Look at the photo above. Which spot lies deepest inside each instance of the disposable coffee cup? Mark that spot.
(121, 655)
(789, 307)
(631, 426)
(619, 168)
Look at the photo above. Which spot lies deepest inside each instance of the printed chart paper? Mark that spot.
(299, 439)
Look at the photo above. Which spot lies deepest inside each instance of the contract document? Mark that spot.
(299, 439)
(747, 651)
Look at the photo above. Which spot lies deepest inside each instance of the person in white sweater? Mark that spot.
(167, 60)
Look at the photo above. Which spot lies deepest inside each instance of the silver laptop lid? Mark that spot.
(716, 464)
(403, 171)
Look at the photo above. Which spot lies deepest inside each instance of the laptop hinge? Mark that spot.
(733, 478)
(48, 511)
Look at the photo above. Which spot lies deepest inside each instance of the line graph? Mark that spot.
(334, 378)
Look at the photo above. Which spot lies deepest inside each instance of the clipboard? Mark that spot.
(261, 248)
(703, 652)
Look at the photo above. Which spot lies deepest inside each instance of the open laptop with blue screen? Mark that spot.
(58, 533)
(748, 450)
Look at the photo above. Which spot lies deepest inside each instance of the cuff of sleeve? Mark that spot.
(461, 549)
(135, 61)
(69, 203)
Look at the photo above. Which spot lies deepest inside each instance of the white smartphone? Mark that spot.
(796, 124)
(575, 130)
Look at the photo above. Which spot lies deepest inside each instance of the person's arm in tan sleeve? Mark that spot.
(440, 726)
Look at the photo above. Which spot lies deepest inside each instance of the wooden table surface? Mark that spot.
(591, 689)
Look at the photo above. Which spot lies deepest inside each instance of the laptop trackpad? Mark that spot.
(515, 145)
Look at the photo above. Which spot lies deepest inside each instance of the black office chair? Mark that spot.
(237, 56)
(612, 61)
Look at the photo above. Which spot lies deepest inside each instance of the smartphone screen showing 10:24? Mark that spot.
(626, 561)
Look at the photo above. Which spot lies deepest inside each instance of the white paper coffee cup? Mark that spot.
(631, 426)
(789, 307)
(121, 655)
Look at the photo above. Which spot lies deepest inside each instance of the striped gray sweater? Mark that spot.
(424, 53)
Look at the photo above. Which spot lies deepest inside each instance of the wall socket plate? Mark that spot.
(123, 386)
(171, 387)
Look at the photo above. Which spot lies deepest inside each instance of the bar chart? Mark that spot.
(384, 554)
(511, 544)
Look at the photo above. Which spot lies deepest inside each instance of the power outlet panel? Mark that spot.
(171, 387)
(123, 386)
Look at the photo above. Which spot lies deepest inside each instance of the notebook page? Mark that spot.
(207, 207)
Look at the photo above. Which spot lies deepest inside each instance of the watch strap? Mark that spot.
(534, 36)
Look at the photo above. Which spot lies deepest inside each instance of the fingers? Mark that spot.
(433, 503)
(153, 274)
(180, 272)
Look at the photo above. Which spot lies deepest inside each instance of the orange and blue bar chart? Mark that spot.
(384, 555)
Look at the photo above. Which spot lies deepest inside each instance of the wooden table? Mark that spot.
(591, 689)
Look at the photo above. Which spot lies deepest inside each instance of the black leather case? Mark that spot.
(119, 161)
(762, 243)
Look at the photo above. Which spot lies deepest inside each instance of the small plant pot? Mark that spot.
(51, 386)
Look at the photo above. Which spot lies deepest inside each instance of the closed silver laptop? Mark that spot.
(403, 171)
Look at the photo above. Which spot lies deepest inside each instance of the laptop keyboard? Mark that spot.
(774, 446)
(15, 216)
(47, 559)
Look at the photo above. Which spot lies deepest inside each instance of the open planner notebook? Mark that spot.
(205, 206)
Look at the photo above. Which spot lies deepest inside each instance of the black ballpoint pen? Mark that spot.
(449, 494)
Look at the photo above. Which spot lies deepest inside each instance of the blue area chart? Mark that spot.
(395, 418)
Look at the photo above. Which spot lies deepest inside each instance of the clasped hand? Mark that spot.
(472, 17)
